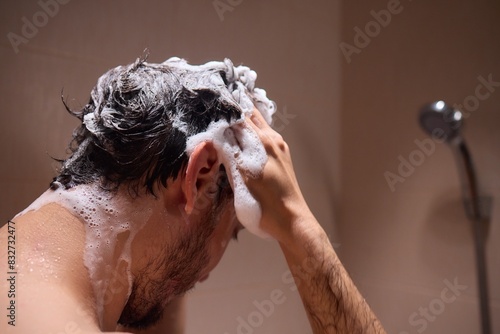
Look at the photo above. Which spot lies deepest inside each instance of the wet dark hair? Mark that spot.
(135, 125)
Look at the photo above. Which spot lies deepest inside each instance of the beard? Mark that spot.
(171, 275)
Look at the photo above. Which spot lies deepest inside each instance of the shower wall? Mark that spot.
(348, 78)
(404, 236)
(63, 48)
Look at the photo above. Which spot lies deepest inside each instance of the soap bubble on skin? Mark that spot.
(100, 225)
(247, 154)
(235, 85)
(238, 146)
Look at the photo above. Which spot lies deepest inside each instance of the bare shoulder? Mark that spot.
(37, 298)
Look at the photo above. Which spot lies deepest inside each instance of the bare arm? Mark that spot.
(331, 300)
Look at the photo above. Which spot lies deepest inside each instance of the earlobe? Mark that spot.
(200, 173)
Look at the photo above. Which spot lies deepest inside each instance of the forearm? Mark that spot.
(331, 300)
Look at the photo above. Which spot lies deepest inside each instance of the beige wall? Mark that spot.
(291, 44)
(400, 246)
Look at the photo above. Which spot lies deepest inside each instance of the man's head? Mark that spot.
(135, 126)
(132, 140)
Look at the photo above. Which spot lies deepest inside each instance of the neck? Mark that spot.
(105, 227)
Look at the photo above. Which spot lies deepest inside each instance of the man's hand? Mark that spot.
(332, 302)
(276, 189)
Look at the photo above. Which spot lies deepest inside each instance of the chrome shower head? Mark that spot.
(444, 123)
(441, 120)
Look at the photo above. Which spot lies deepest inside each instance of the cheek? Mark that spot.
(222, 235)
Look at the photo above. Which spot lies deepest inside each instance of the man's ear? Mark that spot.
(201, 173)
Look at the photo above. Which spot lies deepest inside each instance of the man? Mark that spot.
(133, 221)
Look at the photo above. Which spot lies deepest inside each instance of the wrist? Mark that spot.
(293, 223)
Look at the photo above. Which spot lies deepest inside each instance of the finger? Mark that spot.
(258, 119)
(266, 133)
(252, 123)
